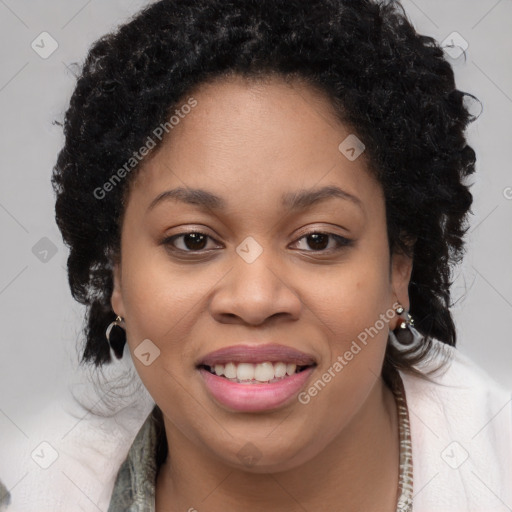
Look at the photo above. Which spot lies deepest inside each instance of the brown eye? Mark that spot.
(318, 242)
(195, 241)
(188, 242)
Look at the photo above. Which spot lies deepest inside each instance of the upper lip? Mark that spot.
(257, 354)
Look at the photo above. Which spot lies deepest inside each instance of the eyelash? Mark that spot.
(340, 240)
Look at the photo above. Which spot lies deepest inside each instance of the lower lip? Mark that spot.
(254, 397)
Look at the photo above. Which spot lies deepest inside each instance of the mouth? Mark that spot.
(247, 378)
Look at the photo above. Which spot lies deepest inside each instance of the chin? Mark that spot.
(264, 455)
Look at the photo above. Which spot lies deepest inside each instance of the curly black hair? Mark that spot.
(392, 86)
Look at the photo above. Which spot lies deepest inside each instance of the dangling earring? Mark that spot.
(406, 334)
(116, 336)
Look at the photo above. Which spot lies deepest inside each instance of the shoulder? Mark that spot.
(461, 431)
(458, 385)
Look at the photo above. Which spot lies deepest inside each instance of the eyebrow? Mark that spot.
(292, 201)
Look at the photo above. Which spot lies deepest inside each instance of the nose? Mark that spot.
(254, 293)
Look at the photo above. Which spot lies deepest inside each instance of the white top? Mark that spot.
(461, 430)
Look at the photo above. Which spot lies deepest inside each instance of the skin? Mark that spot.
(251, 142)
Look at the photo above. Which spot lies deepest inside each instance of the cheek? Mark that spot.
(159, 298)
(353, 298)
(357, 319)
(161, 305)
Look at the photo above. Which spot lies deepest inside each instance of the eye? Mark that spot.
(320, 241)
(192, 241)
(197, 242)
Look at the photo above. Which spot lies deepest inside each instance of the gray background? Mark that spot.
(40, 323)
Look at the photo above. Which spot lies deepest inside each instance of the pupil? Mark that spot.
(192, 239)
(316, 237)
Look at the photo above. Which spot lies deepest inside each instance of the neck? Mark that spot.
(358, 470)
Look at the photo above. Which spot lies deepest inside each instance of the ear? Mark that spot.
(117, 297)
(401, 269)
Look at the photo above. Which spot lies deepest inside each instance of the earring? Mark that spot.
(405, 333)
(116, 336)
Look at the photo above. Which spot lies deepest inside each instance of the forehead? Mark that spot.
(247, 138)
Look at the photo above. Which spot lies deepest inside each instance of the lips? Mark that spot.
(272, 353)
(258, 397)
(255, 378)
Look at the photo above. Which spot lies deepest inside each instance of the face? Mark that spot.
(292, 251)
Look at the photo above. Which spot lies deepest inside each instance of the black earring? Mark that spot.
(406, 334)
(116, 337)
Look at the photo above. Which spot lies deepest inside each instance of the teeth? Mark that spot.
(290, 368)
(262, 372)
(229, 370)
(245, 371)
(279, 370)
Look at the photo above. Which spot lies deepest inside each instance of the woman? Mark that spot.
(264, 200)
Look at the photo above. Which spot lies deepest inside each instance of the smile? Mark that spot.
(252, 378)
(248, 373)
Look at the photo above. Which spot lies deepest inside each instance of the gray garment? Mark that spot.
(5, 497)
(134, 489)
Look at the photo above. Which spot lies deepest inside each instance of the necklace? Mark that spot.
(405, 479)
